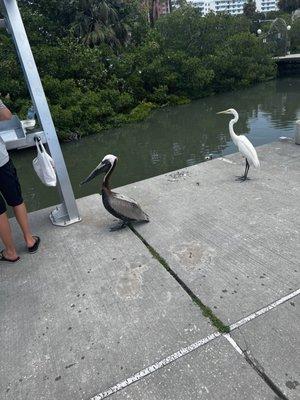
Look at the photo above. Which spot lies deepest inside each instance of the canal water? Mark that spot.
(171, 138)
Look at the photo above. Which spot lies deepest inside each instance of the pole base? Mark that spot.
(60, 217)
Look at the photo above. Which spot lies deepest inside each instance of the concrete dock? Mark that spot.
(141, 314)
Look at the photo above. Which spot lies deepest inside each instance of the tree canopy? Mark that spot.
(288, 5)
(102, 64)
(249, 9)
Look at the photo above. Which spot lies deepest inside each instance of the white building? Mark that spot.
(232, 6)
(266, 5)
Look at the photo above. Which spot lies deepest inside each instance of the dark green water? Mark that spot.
(171, 138)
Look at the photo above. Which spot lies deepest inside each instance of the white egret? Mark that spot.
(243, 144)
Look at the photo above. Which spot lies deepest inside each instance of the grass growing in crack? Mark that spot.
(206, 311)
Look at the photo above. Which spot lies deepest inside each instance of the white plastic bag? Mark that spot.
(43, 165)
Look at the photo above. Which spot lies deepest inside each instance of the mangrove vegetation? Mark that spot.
(108, 62)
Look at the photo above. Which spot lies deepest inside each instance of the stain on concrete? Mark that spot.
(130, 281)
(192, 254)
(58, 378)
(178, 175)
(292, 384)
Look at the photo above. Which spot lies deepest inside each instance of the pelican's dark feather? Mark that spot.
(125, 207)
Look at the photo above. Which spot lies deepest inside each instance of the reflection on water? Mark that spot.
(171, 138)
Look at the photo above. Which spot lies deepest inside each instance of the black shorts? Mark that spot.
(9, 187)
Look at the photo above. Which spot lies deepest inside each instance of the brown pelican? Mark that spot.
(243, 144)
(122, 207)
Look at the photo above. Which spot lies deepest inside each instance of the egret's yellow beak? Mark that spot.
(223, 112)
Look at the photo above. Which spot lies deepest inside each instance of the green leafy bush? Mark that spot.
(93, 88)
(140, 112)
(240, 62)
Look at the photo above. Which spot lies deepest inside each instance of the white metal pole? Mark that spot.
(67, 212)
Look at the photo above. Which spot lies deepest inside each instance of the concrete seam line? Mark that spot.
(256, 367)
(186, 350)
(233, 343)
(156, 366)
(206, 311)
(264, 310)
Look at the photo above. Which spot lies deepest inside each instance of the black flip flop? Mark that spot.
(35, 247)
(3, 258)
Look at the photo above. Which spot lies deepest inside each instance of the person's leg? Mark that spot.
(9, 251)
(22, 218)
(6, 237)
(11, 191)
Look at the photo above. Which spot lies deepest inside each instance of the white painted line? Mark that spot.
(154, 367)
(186, 350)
(263, 310)
(234, 344)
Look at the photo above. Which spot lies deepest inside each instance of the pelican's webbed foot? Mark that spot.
(118, 227)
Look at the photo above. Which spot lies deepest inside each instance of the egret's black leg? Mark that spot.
(118, 227)
(247, 169)
(244, 177)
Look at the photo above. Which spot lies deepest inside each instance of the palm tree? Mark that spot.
(98, 21)
(153, 6)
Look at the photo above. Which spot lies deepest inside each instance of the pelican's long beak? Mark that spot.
(101, 168)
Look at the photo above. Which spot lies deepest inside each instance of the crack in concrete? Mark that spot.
(192, 347)
(206, 311)
(256, 366)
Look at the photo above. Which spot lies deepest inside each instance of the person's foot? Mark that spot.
(9, 256)
(34, 248)
(30, 240)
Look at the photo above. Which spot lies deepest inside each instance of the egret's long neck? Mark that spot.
(106, 180)
(231, 123)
